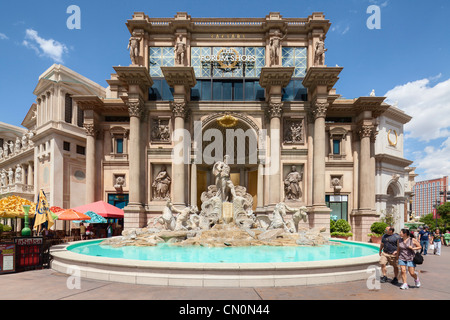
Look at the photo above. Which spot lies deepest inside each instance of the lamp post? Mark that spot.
(435, 212)
(26, 231)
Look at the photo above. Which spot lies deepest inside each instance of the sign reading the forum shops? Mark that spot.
(228, 58)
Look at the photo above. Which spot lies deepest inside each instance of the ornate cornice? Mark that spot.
(275, 76)
(321, 76)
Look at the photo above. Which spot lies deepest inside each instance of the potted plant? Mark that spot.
(377, 229)
(340, 229)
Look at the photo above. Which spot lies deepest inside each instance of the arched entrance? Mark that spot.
(236, 136)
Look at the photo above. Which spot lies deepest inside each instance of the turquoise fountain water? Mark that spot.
(198, 254)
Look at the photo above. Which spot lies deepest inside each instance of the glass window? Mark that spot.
(217, 90)
(336, 147)
(239, 91)
(206, 90)
(227, 91)
(119, 143)
(338, 206)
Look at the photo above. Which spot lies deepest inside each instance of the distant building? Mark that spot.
(429, 193)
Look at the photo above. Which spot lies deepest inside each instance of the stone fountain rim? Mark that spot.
(60, 252)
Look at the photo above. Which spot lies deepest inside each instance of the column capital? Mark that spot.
(319, 109)
(179, 108)
(365, 131)
(90, 129)
(275, 109)
(135, 108)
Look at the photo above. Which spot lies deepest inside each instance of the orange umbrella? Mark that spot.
(71, 214)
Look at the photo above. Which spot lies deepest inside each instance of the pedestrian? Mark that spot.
(424, 238)
(405, 252)
(388, 248)
(109, 230)
(82, 231)
(437, 240)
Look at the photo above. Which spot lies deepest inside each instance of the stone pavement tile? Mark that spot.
(122, 291)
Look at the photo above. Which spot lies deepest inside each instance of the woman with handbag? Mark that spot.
(406, 247)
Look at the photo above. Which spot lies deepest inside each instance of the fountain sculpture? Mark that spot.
(226, 218)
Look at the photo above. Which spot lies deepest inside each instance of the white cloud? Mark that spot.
(3, 36)
(43, 47)
(433, 161)
(427, 134)
(340, 28)
(429, 106)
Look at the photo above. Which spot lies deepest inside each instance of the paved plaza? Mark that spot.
(50, 285)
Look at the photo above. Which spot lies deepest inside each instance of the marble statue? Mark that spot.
(183, 221)
(180, 50)
(3, 179)
(18, 146)
(30, 134)
(161, 185)
(225, 187)
(211, 211)
(372, 94)
(10, 176)
(133, 46)
(292, 185)
(275, 46)
(279, 213)
(299, 215)
(18, 175)
(1, 153)
(11, 148)
(319, 55)
(5, 148)
(24, 141)
(167, 220)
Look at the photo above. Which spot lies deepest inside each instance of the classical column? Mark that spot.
(30, 178)
(260, 187)
(275, 111)
(178, 166)
(193, 183)
(319, 112)
(90, 162)
(135, 111)
(366, 176)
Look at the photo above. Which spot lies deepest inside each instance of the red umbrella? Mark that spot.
(71, 214)
(103, 209)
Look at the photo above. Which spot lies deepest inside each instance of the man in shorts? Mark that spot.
(388, 253)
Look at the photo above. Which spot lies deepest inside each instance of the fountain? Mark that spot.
(157, 254)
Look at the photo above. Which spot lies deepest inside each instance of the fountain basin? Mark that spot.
(213, 274)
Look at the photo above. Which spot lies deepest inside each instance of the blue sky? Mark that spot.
(406, 60)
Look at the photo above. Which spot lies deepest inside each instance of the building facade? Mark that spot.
(255, 91)
(428, 194)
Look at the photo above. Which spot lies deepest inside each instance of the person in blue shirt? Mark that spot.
(424, 238)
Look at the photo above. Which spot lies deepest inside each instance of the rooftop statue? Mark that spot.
(275, 47)
(133, 46)
(180, 50)
(319, 55)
